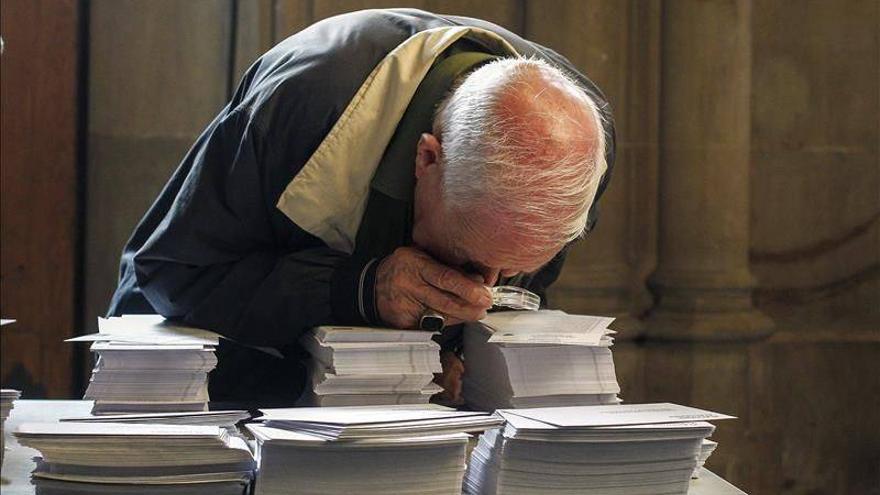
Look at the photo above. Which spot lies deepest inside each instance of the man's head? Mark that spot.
(510, 171)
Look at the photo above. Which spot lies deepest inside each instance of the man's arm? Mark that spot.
(217, 261)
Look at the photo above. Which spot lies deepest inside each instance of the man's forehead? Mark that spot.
(491, 239)
(510, 258)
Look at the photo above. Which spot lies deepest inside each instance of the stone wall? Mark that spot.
(739, 241)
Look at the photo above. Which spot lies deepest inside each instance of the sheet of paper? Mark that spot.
(359, 416)
(4, 321)
(114, 429)
(136, 346)
(326, 334)
(617, 415)
(546, 327)
(162, 418)
(524, 423)
(110, 418)
(267, 433)
(199, 480)
(147, 329)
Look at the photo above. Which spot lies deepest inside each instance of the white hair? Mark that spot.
(521, 141)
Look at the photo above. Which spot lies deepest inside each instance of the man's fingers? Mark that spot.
(409, 280)
(452, 281)
(450, 379)
(449, 305)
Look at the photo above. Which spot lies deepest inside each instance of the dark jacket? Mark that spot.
(214, 250)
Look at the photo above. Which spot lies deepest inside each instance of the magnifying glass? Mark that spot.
(507, 296)
(513, 297)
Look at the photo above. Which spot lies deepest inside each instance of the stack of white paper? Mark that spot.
(346, 450)
(147, 364)
(639, 449)
(345, 423)
(538, 358)
(192, 459)
(225, 419)
(706, 450)
(354, 366)
(8, 397)
(43, 486)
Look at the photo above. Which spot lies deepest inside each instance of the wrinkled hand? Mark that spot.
(409, 281)
(449, 379)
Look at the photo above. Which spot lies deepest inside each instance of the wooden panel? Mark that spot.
(815, 174)
(323, 9)
(164, 52)
(158, 74)
(254, 34)
(291, 16)
(507, 13)
(39, 193)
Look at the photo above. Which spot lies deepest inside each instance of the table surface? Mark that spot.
(18, 461)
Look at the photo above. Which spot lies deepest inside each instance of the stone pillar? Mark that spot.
(702, 281)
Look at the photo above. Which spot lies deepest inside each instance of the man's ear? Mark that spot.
(427, 154)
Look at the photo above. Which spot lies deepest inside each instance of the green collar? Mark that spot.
(395, 176)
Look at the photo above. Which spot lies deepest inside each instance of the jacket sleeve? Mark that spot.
(214, 260)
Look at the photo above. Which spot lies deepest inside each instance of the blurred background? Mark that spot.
(739, 241)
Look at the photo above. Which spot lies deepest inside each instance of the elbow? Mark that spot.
(168, 286)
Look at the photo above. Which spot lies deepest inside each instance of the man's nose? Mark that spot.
(509, 273)
(490, 275)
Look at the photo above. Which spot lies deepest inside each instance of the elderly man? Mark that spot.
(368, 169)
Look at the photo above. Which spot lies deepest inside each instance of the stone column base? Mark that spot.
(737, 325)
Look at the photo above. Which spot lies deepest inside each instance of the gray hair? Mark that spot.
(521, 140)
